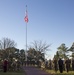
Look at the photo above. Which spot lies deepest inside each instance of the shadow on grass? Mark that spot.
(58, 73)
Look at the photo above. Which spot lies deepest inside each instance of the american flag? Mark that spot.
(26, 17)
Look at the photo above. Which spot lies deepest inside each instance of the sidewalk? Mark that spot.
(31, 70)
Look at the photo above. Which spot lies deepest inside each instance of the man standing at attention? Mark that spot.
(60, 62)
(5, 65)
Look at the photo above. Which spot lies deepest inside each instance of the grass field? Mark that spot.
(13, 73)
(58, 73)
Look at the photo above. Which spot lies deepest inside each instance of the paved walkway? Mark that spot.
(31, 70)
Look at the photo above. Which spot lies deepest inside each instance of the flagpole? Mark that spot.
(26, 41)
(26, 20)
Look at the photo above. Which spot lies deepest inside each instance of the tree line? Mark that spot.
(36, 51)
(64, 52)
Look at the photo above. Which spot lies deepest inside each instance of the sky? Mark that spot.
(51, 21)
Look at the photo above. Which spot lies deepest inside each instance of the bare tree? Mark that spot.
(40, 46)
(6, 43)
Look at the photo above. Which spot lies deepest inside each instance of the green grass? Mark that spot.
(58, 73)
(12, 73)
(65, 73)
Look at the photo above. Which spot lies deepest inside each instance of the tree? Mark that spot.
(7, 48)
(56, 56)
(72, 50)
(35, 55)
(63, 50)
(40, 48)
(22, 55)
(31, 53)
(6, 43)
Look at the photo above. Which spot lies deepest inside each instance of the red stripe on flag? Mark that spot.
(26, 17)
